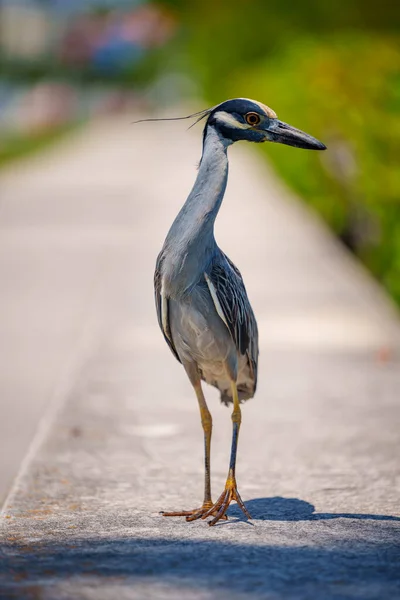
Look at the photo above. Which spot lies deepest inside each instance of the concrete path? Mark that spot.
(121, 440)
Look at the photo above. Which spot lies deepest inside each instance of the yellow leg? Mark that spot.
(230, 492)
(206, 421)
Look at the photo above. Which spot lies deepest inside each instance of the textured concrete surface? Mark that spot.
(121, 438)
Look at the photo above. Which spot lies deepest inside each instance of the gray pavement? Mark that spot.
(119, 437)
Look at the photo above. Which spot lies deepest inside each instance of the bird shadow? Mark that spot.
(292, 509)
(355, 561)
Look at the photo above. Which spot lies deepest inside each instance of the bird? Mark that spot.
(202, 305)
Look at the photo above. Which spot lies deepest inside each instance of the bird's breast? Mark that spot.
(196, 330)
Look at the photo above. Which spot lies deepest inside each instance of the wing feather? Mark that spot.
(162, 307)
(230, 293)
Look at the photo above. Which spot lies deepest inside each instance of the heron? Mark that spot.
(202, 305)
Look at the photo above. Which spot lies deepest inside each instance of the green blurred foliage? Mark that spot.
(17, 146)
(346, 91)
(332, 69)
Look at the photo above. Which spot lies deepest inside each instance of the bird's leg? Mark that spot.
(206, 421)
(230, 492)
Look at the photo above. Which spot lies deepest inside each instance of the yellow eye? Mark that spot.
(253, 118)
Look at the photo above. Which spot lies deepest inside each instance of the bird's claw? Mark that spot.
(197, 513)
(219, 509)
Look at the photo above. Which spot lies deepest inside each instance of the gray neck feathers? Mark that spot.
(190, 243)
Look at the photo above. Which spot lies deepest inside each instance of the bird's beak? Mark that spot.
(283, 133)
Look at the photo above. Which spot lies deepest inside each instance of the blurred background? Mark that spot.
(332, 70)
(86, 200)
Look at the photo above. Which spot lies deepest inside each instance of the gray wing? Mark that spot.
(237, 312)
(162, 307)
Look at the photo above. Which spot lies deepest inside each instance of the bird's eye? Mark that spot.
(252, 118)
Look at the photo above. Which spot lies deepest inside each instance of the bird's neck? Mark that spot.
(190, 241)
(198, 214)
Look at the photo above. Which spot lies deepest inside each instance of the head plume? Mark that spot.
(201, 115)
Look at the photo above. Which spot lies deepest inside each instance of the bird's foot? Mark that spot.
(219, 509)
(197, 513)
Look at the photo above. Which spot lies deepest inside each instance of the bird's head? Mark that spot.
(244, 119)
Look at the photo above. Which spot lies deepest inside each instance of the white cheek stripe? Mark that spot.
(228, 119)
(214, 297)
